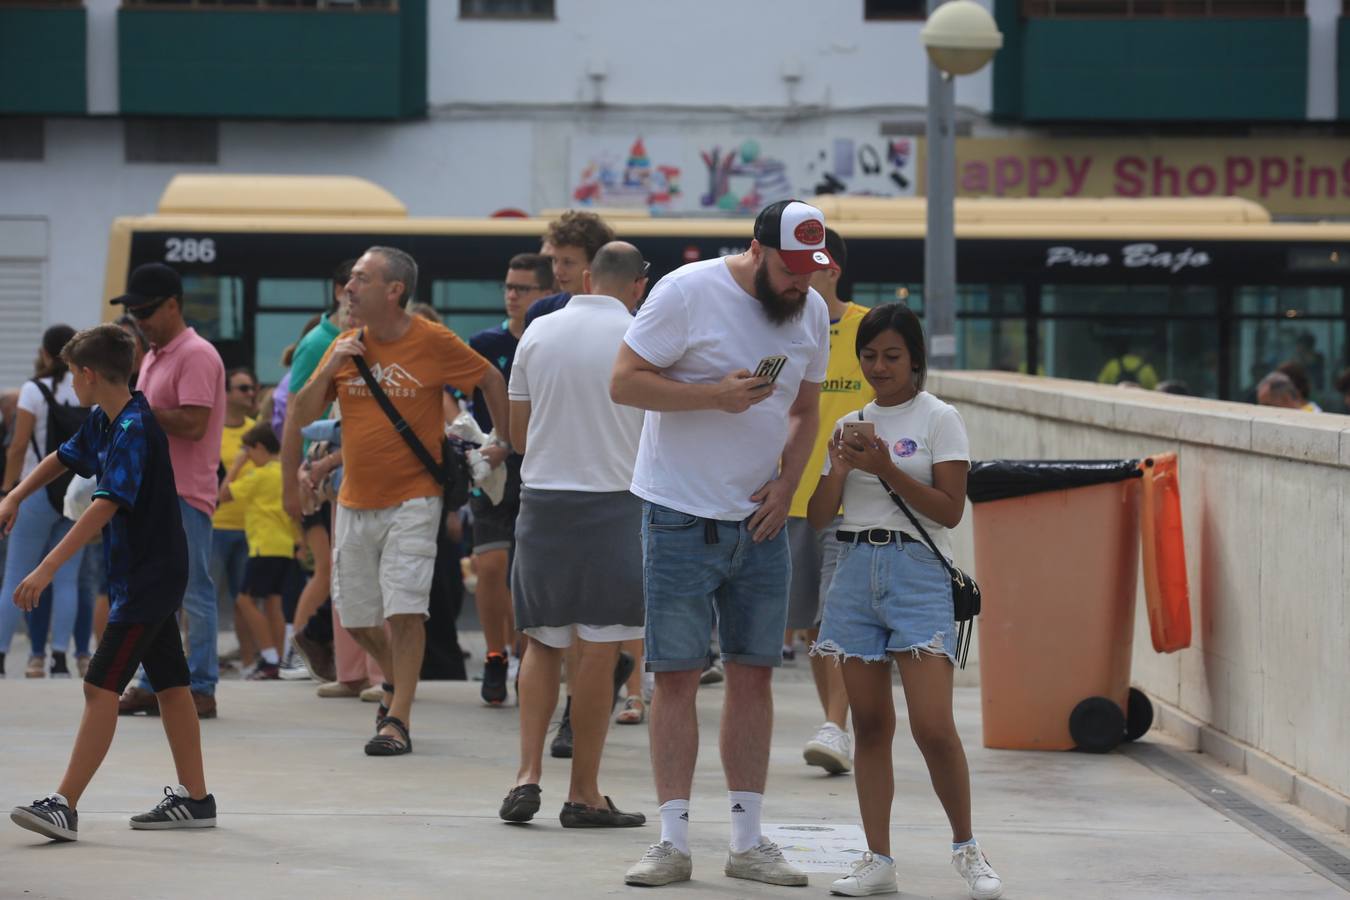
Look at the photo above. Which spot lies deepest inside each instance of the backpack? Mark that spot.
(64, 421)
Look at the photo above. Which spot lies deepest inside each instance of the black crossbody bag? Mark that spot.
(453, 474)
(965, 592)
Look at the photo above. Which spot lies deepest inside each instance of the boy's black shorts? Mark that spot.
(126, 645)
(266, 575)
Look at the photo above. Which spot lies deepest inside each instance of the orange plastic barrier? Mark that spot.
(1166, 590)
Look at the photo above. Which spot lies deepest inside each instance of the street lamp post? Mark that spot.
(960, 37)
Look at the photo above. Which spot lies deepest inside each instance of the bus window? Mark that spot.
(295, 293)
(874, 293)
(991, 329)
(273, 332)
(1131, 334)
(1283, 324)
(214, 306)
(469, 306)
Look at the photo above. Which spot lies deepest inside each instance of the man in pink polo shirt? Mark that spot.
(183, 380)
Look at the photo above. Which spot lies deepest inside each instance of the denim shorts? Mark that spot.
(892, 598)
(690, 584)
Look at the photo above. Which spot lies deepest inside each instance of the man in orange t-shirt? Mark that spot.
(389, 506)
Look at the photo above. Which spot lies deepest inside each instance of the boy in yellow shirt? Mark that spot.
(813, 553)
(271, 545)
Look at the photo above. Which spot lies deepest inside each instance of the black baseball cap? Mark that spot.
(150, 282)
(797, 231)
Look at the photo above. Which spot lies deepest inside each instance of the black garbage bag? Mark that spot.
(1000, 479)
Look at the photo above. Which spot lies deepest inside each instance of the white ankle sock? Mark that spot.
(269, 655)
(286, 644)
(745, 813)
(675, 824)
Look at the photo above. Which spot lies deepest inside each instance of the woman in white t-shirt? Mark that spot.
(891, 597)
(39, 526)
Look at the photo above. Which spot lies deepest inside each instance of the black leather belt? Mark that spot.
(877, 537)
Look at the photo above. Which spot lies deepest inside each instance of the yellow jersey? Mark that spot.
(230, 516)
(269, 530)
(843, 391)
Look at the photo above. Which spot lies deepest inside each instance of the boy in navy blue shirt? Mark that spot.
(136, 506)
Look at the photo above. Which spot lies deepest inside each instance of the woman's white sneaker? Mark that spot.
(980, 877)
(870, 875)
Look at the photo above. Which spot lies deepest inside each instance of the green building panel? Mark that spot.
(42, 61)
(1343, 68)
(1154, 70)
(273, 63)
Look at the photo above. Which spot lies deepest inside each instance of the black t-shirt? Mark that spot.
(497, 346)
(143, 544)
(545, 305)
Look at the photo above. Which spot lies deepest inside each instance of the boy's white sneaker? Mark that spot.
(870, 875)
(980, 877)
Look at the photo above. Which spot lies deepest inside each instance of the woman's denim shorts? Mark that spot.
(885, 599)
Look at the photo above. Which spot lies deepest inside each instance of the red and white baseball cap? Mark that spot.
(797, 231)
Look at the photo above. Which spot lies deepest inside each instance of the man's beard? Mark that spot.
(778, 308)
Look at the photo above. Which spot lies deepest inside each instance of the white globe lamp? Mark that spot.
(960, 37)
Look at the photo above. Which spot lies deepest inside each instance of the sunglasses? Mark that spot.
(145, 311)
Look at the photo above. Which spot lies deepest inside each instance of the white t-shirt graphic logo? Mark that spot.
(390, 376)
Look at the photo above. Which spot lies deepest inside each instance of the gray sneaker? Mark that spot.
(661, 864)
(764, 863)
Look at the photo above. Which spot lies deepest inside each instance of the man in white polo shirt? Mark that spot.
(578, 565)
(721, 454)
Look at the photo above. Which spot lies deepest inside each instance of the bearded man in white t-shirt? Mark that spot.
(723, 447)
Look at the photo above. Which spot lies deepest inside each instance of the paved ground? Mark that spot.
(305, 814)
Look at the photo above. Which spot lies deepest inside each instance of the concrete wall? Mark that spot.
(1265, 497)
(688, 54)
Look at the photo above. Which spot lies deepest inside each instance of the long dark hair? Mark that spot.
(54, 340)
(899, 318)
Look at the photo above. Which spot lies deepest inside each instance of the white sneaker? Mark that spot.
(661, 864)
(974, 867)
(764, 863)
(831, 749)
(870, 875)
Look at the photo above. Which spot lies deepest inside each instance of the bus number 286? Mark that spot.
(189, 250)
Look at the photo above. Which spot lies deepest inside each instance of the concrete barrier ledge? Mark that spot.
(1310, 796)
(1282, 433)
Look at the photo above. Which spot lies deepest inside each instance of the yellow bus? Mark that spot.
(1208, 292)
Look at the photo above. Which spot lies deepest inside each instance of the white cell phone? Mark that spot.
(770, 367)
(859, 433)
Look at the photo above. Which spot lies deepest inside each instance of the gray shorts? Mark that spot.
(814, 556)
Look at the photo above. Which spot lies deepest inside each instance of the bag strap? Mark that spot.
(400, 424)
(50, 399)
(913, 520)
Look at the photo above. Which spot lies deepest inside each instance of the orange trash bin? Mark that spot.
(1057, 557)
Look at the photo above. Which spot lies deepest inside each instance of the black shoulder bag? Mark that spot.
(63, 422)
(965, 592)
(453, 474)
